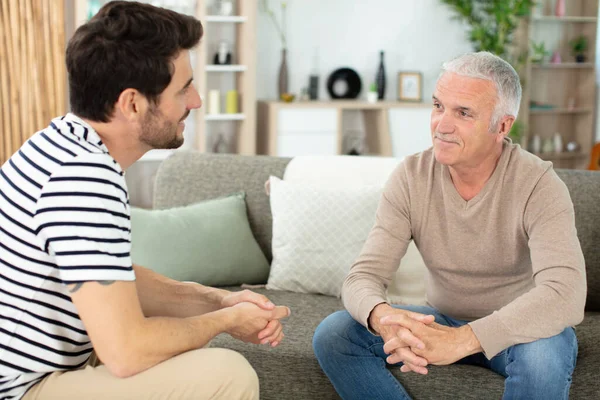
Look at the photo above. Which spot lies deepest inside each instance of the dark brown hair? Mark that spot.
(126, 45)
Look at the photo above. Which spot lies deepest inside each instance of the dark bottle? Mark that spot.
(380, 79)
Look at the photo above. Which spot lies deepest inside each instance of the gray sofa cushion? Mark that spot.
(291, 371)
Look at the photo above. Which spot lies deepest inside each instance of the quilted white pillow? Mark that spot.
(317, 234)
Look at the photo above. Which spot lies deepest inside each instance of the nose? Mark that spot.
(445, 123)
(194, 100)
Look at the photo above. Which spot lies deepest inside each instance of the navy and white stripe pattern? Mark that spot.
(64, 218)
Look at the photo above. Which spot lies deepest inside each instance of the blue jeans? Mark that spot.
(354, 361)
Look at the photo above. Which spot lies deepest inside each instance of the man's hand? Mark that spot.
(250, 322)
(443, 345)
(273, 333)
(398, 337)
(246, 296)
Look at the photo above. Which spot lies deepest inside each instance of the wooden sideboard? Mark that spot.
(317, 127)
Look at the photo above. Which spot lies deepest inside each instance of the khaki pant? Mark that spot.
(207, 373)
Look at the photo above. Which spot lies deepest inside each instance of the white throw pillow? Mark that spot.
(343, 174)
(318, 233)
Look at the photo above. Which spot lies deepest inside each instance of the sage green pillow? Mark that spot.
(208, 242)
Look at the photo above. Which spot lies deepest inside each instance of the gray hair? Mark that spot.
(485, 65)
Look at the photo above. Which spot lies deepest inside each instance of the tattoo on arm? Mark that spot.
(76, 286)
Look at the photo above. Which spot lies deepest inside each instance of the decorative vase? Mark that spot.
(231, 102)
(556, 58)
(536, 144)
(558, 143)
(547, 145)
(225, 7)
(214, 102)
(372, 97)
(283, 74)
(580, 58)
(380, 79)
(559, 9)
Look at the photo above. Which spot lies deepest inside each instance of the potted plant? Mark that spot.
(372, 93)
(539, 52)
(492, 24)
(579, 47)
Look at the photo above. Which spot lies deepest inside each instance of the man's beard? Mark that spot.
(159, 133)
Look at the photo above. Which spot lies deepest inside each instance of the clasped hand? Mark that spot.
(258, 319)
(417, 341)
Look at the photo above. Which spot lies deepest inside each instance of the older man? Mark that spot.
(495, 225)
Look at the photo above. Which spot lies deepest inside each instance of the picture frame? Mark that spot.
(410, 86)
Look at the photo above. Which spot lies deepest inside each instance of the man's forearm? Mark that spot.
(160, 338)
(162, 296)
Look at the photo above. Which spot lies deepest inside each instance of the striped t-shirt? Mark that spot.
(64, 218)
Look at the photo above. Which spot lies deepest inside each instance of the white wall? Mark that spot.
(415, 35)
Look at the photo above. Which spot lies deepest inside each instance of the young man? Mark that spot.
(495, 225)
(67, 282)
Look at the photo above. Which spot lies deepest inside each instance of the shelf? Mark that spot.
(557, 111)
(350, 104)
(561, 156)
(226, 68)
(156, 155)
(565, 19)
(220, 18)
(224, 117)
(564, 66)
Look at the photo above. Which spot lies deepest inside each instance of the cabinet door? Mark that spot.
(409, 128)
(307, 131)
(302, 120)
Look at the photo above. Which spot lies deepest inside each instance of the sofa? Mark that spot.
(291, 371)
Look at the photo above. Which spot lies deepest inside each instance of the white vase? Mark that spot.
(372, 97)
(214, 102)
(558, 143)
(547, 145)
(536, 144)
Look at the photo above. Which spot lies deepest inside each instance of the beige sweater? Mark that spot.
(507, 260)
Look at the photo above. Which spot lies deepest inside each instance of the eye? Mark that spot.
(437, 105)
(464, 114)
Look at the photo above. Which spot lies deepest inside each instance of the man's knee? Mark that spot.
(234, 375)
(331, 331)
(545, 361)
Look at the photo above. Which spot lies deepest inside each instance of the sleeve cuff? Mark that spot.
(365, 308)
(492, 334)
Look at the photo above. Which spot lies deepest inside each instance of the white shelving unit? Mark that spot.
(561, 111)
(224, 117)
(552, 18)
(564, 65)
(566, 89)
(238, 30)
(226, 68)
(219, 18)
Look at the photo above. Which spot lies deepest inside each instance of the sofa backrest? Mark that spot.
(584, 187)
(189, 177)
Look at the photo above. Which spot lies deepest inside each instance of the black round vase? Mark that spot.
(580, 58)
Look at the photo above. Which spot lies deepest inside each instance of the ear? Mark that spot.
(504, 127)
(131, 104)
